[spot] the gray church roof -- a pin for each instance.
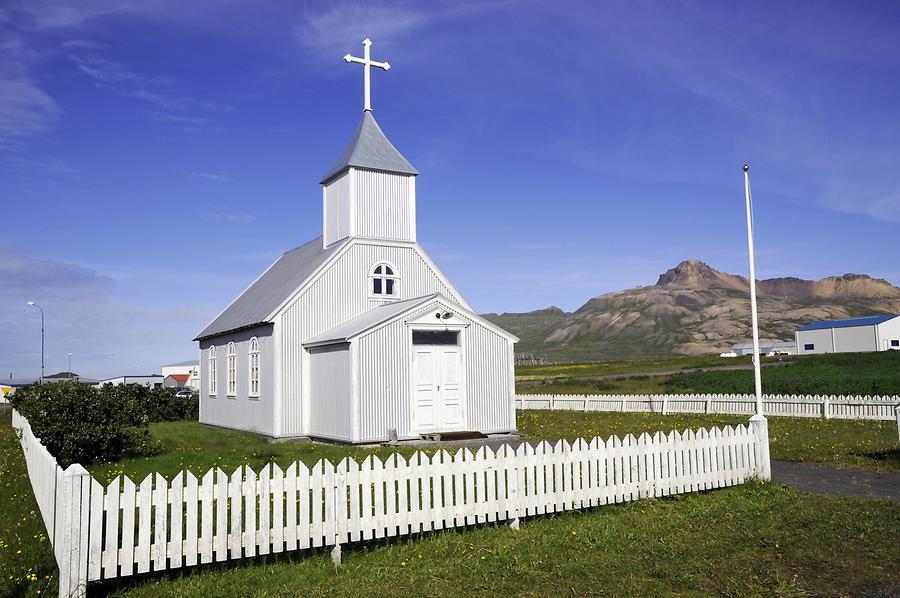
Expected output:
(372, 318)
(267, 292)
(369, 148)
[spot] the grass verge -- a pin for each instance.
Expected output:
(759, 539)
(850, 443)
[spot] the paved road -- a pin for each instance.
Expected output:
(837, 481)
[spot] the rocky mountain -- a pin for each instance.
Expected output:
(693, 308)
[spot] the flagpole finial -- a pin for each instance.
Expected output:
(746, 168)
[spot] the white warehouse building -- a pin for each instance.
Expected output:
(357, 336)
(874, 333)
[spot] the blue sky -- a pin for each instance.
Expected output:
(156, 156)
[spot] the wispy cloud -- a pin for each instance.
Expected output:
(25, 108)
(330, 32)
(231, 217)
(218, 177)
(85, 317)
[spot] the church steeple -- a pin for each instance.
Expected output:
(370, 190)
(369, 148)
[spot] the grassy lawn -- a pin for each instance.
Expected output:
(759, 539)
(609, 368)
(189, 445)
(852, 443)
(842, 373)
(621, 385)
(755, 540)
(26, 557)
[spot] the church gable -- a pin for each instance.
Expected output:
(346, 287)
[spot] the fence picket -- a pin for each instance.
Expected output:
(176, 543)
(163, 525)
(191, 531)
(128, 500)
(111, 552)
(278, 525)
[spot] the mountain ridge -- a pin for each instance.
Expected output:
(693, 308)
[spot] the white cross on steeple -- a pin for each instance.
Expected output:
(367, 63)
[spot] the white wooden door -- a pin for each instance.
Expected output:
(440, 400)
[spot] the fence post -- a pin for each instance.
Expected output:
(760, 427)
(707, 405)
(552, 402)
(897, 412)
(340, 505)
(71, 542)
(512, 477)
(826, 408)
(665, 409)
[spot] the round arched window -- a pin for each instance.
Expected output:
(383, 281)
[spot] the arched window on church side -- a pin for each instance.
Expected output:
(384, 282)
(232, 370)
(212, 370)
(254, 367)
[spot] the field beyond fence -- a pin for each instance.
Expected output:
(106, 531)
(828, 407)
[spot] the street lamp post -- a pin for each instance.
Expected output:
(70, 365)
(33, 304)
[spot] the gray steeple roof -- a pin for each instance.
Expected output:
(369, 148)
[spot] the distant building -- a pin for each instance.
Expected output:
(184, 374)
(874, 333)
(151, 381)
(789, 347)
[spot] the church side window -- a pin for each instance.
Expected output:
(232, 370)
(212, 370)
(383, 281)
(254, 367)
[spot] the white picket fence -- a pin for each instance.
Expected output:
(120, 529)
(837, 407)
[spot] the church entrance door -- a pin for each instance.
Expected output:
(438, 379)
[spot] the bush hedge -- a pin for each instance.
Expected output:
(82, 424)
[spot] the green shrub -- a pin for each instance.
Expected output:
(79, 423)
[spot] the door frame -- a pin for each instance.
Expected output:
(413, 398)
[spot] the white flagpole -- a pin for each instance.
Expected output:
(756, 366)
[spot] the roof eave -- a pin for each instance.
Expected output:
(204, 337)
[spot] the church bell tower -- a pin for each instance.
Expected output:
(370, 190)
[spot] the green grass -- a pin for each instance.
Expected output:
(193, 446)
(838, 374)
(842, 373)
(27, 566)
(621, 385)
(848, 443)
(758, 539)
(606, 368)
(755, 540)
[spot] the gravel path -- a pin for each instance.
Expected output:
(837, 481)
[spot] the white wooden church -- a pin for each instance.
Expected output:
(357, 336)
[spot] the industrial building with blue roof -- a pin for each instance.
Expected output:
(870, 333)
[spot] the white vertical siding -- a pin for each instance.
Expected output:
(385, 394)
(489, 390)
(384, 205)
(337, 205)
(331, 382)
(340, 294)
(239, 412)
